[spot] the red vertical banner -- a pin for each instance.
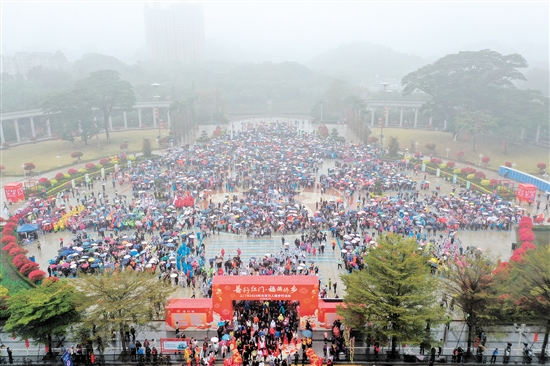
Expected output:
(536, 337)
(26, 343)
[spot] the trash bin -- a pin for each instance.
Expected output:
(514, 246)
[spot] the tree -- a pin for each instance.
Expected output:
(470, 281)
(42, 312)
(474, 122)
(116, 300)
(181, 114)
(393, 147)
(335, 97)
(529, 287)
(394, 294)
(106, 91)
(464, 81)
(146, 147)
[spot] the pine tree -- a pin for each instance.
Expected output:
(394, 296)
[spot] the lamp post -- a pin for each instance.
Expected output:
(521, 330)
(480, 157)
(58, 157)
(156, 85)
(447, 150)
(385, 85)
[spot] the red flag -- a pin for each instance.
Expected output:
(26, 343)
(536, 338)
(92, 358)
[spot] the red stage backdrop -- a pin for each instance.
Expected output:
(226, 289)
(526, 192)
(14, 192)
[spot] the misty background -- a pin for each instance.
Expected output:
(279, 56)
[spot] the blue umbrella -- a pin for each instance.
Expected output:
(307, 333)
(226, 337)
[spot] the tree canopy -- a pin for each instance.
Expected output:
(42, 312)
(470, 281)
(479, 81)
(116, 300)
(394, 295)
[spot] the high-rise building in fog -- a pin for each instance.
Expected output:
(175, 34)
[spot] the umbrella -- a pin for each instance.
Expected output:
(214, 339)
(307, 333)
(226, 337)
(221, 324)
(174, 275)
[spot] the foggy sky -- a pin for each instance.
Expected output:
(292, 31)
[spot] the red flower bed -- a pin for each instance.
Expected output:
(16, 251)
(467, 170)
(8, 239)
(10, 246)
(89, 165)
(20, 260)
(480, 175)
(104, 161)
(435, 160)
(508, 164)
(60, 176)
(28, 268)
(72, 171)
(451, 164)
(37, 275)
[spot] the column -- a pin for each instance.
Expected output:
(2, 138)
(168, 118)
(49, 128)
(401, 118)
(139, 117)
(125, 121)
(372, 117)
(444, 125)
(16, 125)
(415, 117)
(110, 123)
(387, 118)
(154, 119)
(32, 127)
(537, 136)
(430, 122)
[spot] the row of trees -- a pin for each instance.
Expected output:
(100, 304)
(393, 298)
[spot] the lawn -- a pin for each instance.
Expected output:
(525, 156)
(43, 154)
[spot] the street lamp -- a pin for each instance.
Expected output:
(156, 85)
(58, 157)
(521, 330)
(480, 156)
(447, 150)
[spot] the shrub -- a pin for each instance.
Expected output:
(8, 239)
(494, 181)
(480, 175)
(416, 154)
(16, 251)
(436, 160)
(451, 164)
(72, 171)
(90, 166)
(67, 176)
(29, 267)
(460, 154)
(470, 176)
(49, 279)
(53, 182)
(59, 176)
(528, 245)
(486, 159)
(20, 260)
(105, 161)
(10, 246)
(442, 166)
(430, 146)
(525, 222)
(527, 236)
(37, 275)
(82, 170)
(131, 157)
(373, 139)
(508, 164)
(467, 170)
(457, 171)
(77, 154)
(485, 183)
(43, 180)
(29, 166)
(541, 166)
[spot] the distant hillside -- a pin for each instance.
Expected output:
(365, 62)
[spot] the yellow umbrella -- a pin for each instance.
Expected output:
(91, 259)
